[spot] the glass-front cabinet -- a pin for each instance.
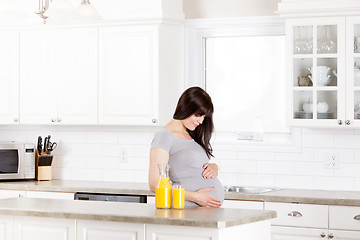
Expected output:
(323, 71)
(353, 70)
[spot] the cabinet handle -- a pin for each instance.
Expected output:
(295, 214)
(347, 122)
(154, 120)
(53, 120)
(58, 119)
(339, 122)
(16, 119)
(357, 217)
(331, 236)
(322, 235)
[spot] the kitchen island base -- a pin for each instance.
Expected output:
(40, 228)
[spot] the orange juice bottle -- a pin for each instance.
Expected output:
(163, 188)
(178, 196)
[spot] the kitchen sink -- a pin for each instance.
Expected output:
(248, 190)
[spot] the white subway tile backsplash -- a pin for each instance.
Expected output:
(225, 155)
(95, 153)
(117, 175)
(102, 137)
(102, 162)
(334, 183)
(256, 155)
(307, 154)
(345, 155)
(317, 141)
(237, 166)
(87, 174)
(275, 167)
(256, 180)
(312, 169)
(302, 182)
(347, 141)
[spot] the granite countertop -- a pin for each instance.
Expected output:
(131, 212)
(305, 196)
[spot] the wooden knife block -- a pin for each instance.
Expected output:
(42, 173)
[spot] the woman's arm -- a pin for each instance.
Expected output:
(157, 155)
(203, 198)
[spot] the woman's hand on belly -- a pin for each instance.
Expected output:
(211, 170)
(203, 198)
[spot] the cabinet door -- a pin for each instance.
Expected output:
(9, 77)
(128, 75)
(293, 233)
(353, 71)
(94, 230)
(316, 72)
(38, 76)
(78, 76)
(11, 194)
(38, 228)
(6, 227)
(344, 235)
(167, 232)
(50, 195)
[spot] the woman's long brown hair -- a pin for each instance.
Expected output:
(196, 101)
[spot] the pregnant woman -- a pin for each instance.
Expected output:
(184, 144)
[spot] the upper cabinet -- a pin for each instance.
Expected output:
(140, 73)
(9, 77)
(59, 76)
(323, 60)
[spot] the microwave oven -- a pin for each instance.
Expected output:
(17, 161)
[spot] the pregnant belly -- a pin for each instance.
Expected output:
(194, 184)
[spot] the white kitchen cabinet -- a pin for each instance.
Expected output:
(11, 193)
(49, 195)
(316, 75)
(6, 227)
(94, 230)
(38, 228)
(293, 233)
(316, 44)
(140, 73)
(344, 235)
(241, 204)
(58, 76)
(9, 77)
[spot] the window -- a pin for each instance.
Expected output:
(245, 78)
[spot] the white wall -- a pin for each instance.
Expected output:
(228, 8)
(94, 153)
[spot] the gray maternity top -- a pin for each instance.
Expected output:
(186, 160)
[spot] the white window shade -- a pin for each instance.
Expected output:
(245, 78)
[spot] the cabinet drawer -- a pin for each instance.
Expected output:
(243, 204)
(299, 215)
(342, 217)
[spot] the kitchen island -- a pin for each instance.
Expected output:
(29, 218)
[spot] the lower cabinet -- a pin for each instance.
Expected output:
(6, 227)
(11, 194)
(310, 222)
(294, 233)
(95, 230)
(37, 228)
(243, 204)
(163, 232)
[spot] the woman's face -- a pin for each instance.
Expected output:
(193, 121)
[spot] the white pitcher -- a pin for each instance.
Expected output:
(323, 76)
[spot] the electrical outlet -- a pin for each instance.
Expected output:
(123, 155)
(331, 160)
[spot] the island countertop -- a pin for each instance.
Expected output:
(131, 212)
(305, 196)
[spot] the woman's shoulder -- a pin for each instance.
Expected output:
(163, 133)
(162, 139)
